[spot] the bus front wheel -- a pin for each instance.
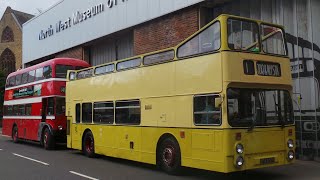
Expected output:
(48, 140)
(15, 138)
(88, 145)
(169, 156)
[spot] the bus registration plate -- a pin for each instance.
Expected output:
(268, 69)
(267, 160)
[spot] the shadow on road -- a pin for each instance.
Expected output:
(59, 147)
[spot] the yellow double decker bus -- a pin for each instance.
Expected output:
(219, 101)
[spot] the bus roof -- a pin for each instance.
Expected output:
(65, 61)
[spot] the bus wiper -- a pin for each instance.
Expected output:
(253, 121)
(278, 112)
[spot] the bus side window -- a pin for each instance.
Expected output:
(39, 74)
(205, 112)
(22, 110)
(128, 112)
(50, 108)
(78, 113)
(24, 79)
(206, 41)
(47, 72)
(31, 76)
(18, 79)
(15, 110)
(87, 113)
(12, 81)
(10, 110)
(28, 109)
(103, 113)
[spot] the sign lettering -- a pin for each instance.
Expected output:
(268, 69)
(77, 18)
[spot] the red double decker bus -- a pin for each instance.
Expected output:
(34, 102)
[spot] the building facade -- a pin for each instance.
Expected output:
(107, 30)
(11, 39)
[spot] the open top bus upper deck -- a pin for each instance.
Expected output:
(259, 47)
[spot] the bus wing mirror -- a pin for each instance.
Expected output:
(218, 102)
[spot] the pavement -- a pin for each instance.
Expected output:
(27, 160)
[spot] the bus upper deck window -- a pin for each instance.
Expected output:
(31, 76)
(243, 35)
(47, 72)
(206, 41)
(61, 70)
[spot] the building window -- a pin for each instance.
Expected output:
(7, 35)
(7, 62)
(87, 113)
(128, 112)
(205, 112)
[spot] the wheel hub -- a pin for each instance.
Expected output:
(168, 155)
(89, 145)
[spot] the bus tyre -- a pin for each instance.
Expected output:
(48, 140)
(15, 138)
(169, 156)
(88, 145)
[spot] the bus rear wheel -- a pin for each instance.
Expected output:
(48, 140)
(15, 138)
(169, 156)
(88, 145)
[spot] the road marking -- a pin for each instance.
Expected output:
(31, 159)
(82, 175)
(1, 149)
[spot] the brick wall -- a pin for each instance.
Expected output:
(166, 31)
(76, 52)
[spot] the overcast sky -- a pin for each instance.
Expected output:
(28, 6)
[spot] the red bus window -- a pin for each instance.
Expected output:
(28, 109)
(31, 76)
(24, 79)
(61, 70)
(39, 74)
(15, 110)
(21, 110)
(12, 81)
(60, 105)
(50, 109)
(47, 72)
(18, 79)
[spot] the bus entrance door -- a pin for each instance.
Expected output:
(44, 110)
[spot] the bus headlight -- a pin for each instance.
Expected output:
(290, 155)
(290, 143)
(60, 128)
(239, 148)
(239, 161)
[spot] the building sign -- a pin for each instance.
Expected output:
(26, 92)
(77, 18)
(268, 69)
